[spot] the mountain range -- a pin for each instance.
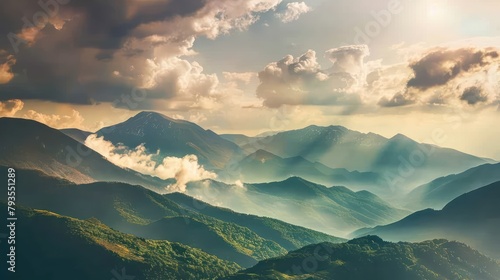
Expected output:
(262, 166)
(401, 161)
(332, 155)
(144, 213)
(39, 147)
(335, 210)
(473, 218)
(274, 210)
(440, 191)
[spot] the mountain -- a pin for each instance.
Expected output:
(473, 218)
(400, 160)
(39, 147)
(144, 213)
(372, 258)
(263, 166)
(239, 139)
(335, 210)
(443, 190)
(286, 235)
(56, 247)
(77, 134)
(176, 138)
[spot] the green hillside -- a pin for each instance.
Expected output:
(55, 247)
(372, 258)
(136, 210)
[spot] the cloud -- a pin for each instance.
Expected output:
(474, 95)
(440, 66)
(301, 81)
(244, 77)
(183, 170)
(293, 11)
(399, 99)
(348, 59)
(10, 107)
(82, 55)
(56, 121)
(6, 63)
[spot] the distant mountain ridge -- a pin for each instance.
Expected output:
(172, 138)
(263, 166)
(400, 160)
(442, 190)
(333, 210)
(473, 218)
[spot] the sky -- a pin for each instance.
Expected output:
(417, 67)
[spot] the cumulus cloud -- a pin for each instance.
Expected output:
(56, 121)
(442, 76)
(440, 66)
(183, 170)
(10, 107)
(82, 55)
(301, 81)
(348, 59)
(293, 11)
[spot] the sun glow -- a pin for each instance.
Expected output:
(438, 9)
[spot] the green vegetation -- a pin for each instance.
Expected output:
(51, 246)
(372, 258)
(288, 236)
(144, 213)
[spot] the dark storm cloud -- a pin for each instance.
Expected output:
(104, 24)
(51, 67)
(88, 52)
(474, 95)
(440, 66)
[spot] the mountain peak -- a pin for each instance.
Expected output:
(401, 137)
(149, 115)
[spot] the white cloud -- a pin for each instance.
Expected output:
(293, 11)
(301, 81)
(183, 170)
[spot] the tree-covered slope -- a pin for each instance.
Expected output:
(136, 210)
(372, 258)
(55, 247)
(286, 235)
